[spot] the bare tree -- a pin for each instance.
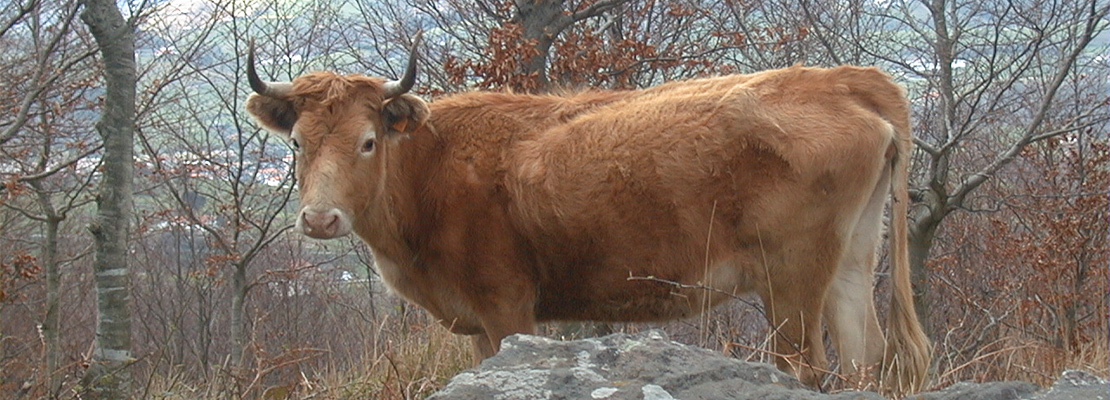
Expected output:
(108, 376)
(987, 63)
(218, 175)
(44, 139)
(511, 42)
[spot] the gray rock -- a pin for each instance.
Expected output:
(1014, 390)
(623, 367)
(1077, 385)
(1072, 385)
(648, 366)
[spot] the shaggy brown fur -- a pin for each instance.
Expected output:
(494, 211)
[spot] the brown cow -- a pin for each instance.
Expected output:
(496, 211)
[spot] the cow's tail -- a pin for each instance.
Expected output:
(908, 351)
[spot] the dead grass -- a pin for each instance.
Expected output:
(412, 357)
(408, 359)
(410, 364)
(1015, 358)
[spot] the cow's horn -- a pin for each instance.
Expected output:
(396, 88)
(268, 89)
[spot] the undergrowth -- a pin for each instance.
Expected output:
(414, 356)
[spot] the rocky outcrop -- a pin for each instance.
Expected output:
(1076, 385)
(1072, 385)
(648, 366)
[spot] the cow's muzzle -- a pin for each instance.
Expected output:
(324, 224)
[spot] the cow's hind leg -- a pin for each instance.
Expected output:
(793, 303)
(849, 306)
(797, 339)
(853, 324)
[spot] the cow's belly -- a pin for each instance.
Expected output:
(629, 296)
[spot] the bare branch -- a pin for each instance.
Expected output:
(43, 81)
(60, 166)
(1093, 23)
(595, 9)
(21, 11)
(927, 147)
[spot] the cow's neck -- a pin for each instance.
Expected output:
(393, 215)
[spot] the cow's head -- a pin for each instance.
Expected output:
(343, 131)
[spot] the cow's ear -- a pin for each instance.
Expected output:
(404, 113)
(275, 114)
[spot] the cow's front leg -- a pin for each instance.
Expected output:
(483, 347)
(510, 314)
(497, 328)
(488, 344)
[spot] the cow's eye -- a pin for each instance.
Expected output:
(296, 145)
(368, 146)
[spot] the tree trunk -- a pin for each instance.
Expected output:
(545, 20)
(921, 235)
(238, 312)
(542, 22)
(51, 322)
(1071, 308)
(108, 377)
(204, 325)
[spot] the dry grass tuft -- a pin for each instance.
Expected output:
(404, 364)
